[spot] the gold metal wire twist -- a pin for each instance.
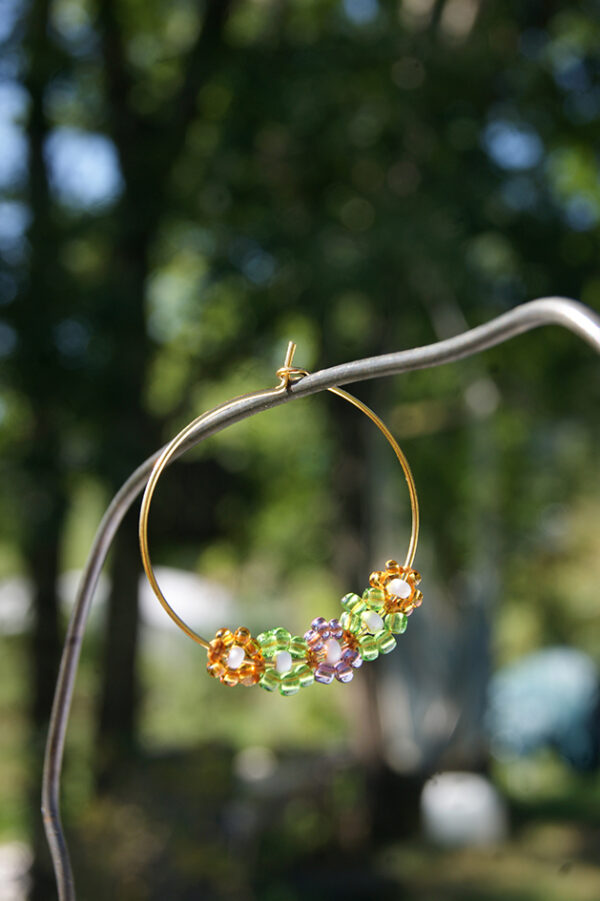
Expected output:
(287, 374)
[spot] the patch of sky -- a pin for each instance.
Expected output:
(13, 155)
(360, 12)
(583, 106)
(14, 219)
(512, 146)
(581, 213)
(72, 338)
(8, 289)
(84, 168)
(256, 264)
(8, 339)
(532, 42)
(519, 193)
(73, 26)
(570, 72)
(9, 16)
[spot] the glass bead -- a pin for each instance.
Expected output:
(372, 621)
(351, 621)
(249, 674)
(223, 634)
(305, 675)
(268, 645)
(324, 673)
(368, 647)
(270, 680)
(229, 679)
(375, 598)
(242, 635)
(289, 684)
(385, 641)
(343, 672)
(298, 646)
(216, 669)
(350, 600)
(335, 628)
(396, 623)
(282, 637)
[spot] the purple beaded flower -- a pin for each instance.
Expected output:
(332, 651)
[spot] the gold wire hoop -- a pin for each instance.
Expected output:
(287, 374)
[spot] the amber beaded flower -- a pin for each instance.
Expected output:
(399, 585)
(235, 658)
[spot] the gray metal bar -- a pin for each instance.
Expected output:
(569, 314)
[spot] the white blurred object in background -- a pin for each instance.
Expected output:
(15, 861)
(461, 809)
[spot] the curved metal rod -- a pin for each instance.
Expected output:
(569, 314)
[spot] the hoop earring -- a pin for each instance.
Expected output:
(329, 649)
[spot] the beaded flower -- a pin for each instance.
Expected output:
(235, 658)
(332, 651)
(285, 658)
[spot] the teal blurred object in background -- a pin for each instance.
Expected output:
(183, 188)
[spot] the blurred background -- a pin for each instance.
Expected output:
(186, 186)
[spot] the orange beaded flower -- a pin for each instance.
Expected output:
(399, 585)
(235, 658)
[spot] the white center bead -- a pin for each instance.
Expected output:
(283, 662)
(236, 656)
(334, 651)
(372, 621)
(399, 588)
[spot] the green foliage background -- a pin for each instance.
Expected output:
(358, 177)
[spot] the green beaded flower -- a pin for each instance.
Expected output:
(367, 619)
(285, 657)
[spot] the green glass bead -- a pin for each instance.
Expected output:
(385, 641)
(350, 600)
(269, 680)
(298, 646)
(367, 646)
(396, 623)
(351, 621)
(289, 684)
(267, 642)
(375, 598)
(282, 638)
(305, 675)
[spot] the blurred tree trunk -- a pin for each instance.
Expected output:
(39, 376)
(148, 147)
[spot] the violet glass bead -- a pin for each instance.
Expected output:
(324, 673)
(317, 622)
(343, 672)
(335, 628)
(350, 655)
(313, 640)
